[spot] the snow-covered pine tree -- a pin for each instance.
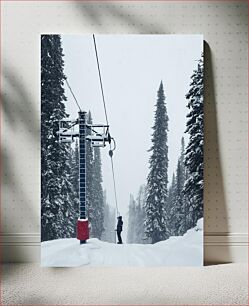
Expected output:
(182, 157)
(177, 211)
(181, 198)
(57, 212)
(89, 174)
(131, 220)
(97, 221)
(183, 175)
(171, 193)
(177, 201)
(180, 174)
(193, 188)
(156, 226)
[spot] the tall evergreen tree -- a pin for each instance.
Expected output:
(156, 218)
(193, 188)
(57, 213)
(180, 172)
(182, 156)
(181, 176)
(177, 201)
(177, 210)
(97, 221)
(171, 193)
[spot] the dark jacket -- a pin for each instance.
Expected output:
(120, 225)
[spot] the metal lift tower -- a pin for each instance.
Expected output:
(97, 139)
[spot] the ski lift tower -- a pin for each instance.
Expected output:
(97, 139)
(82, 223)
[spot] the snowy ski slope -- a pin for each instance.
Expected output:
(184, 250)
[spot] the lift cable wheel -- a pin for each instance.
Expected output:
(113, 173)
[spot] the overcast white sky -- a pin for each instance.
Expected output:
(132, 67)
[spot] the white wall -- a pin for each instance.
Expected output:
(224, 26)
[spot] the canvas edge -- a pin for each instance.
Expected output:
(218, 247)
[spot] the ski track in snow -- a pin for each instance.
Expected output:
(184, 250)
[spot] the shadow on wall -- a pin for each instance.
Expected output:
(18, 108)
(130, 21)
(20, 118)
(214, 195)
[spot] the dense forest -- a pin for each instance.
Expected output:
(172, 209)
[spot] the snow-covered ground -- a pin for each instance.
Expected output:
(185, 250)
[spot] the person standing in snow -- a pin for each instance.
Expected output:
(119, 229)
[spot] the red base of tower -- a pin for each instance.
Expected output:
(82, 229)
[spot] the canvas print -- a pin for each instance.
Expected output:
(122, 150)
